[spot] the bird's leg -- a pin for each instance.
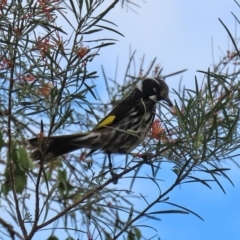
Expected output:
(145, 156)
(113, 174)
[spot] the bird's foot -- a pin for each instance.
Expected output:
(145, 156)
(114, 175)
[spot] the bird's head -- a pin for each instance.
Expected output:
(155, 89)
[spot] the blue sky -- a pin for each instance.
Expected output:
(180, 34)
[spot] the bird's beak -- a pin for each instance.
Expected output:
(167, 99)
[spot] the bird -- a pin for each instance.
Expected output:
(120, 131)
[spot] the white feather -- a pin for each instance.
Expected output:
(153, 97)
(139, 85)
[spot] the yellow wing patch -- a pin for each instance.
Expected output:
(105, 122)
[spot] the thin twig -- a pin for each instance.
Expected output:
(10, 229)
(13, 55)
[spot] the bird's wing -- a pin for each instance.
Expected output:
(120, 112)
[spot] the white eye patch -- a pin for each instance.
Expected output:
(153, 97)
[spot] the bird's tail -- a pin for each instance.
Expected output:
(56, 146)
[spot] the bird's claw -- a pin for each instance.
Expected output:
(114, 175)
(145, 156)
(115, 178)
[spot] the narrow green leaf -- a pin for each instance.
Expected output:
(231, 37)
(169, 211)
(110, 29)
(130, 215)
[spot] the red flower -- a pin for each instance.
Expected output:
(45, 90)
(82, 51)
(6, 64)
(157, 131)
(3, 3)
(28, 78)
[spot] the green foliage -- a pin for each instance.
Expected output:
(1, 141)
(52, 238)
(134, 234)
(21, 163)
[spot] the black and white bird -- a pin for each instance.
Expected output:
(122, 130)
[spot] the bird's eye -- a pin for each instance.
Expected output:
(154, 89)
